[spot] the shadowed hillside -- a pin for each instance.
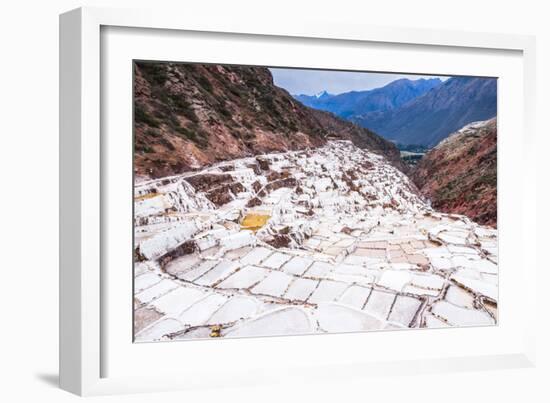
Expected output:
(430, 118)
(460, 174)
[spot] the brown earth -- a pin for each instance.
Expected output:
(187, 116)
(459, 175)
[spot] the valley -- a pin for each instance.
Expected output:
(332, 239)
(411, 154)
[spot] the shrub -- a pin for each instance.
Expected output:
(196, 136)
(152, 133)
(155, 73)
(167, 144)
(144, 148)
(224, 111)
(189, 134)
(183, 107)
(489, 178)
(142, 116)
(204, 83)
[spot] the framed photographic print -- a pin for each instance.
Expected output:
(261, 213)
(257, 195)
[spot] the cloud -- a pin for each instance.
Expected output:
(302, 81)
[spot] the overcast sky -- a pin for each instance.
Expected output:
(311, 82)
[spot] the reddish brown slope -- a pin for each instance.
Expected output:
(460, 174)
(188, 116)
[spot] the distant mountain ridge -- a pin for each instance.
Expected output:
(353, 103)
(431, 117)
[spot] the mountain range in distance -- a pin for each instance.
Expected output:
(357, 103)
(420, 112)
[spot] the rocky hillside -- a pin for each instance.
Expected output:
(191, 115)
(428, 119)
(460, 174)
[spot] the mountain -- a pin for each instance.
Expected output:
(460, 174)
(323, 95)
(391, 96)
(188, 116)
(430, 118)
(313, 100)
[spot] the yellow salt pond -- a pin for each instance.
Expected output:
(147, 196)
(254, 221)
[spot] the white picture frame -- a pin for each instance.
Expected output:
(83, 297)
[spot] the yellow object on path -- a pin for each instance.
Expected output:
(147, 196)
(254, 221)
(215, 331)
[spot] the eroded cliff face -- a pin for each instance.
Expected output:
(188, 116)
(460, 174)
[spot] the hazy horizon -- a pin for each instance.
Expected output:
(311, 82)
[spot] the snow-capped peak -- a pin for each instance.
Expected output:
(321, 94)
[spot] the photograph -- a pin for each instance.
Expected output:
(283, 201)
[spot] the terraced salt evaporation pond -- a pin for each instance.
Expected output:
(254, 221)
(327, 240)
